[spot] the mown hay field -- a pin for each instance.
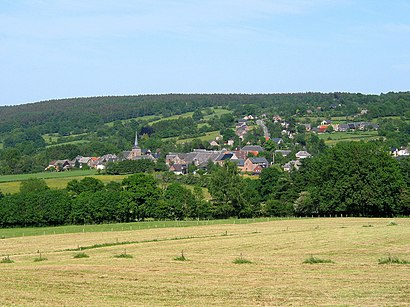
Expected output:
(58, 182)
(275, 276)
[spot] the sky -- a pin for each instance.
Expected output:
(52, 49)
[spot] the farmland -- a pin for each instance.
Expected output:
(276, 274)
(55, 180)
(332, 139)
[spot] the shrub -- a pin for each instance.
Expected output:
(181, 258)
(81, 255)
(241, 260)
(392, 260)
(313, 260)
(6, 260)
(123, 255)
(40, 258)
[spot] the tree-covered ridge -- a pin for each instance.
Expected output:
(85, 114)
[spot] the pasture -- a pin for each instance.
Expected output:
(55, 180)
(225, 264)
(333, 138)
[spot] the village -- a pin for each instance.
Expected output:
(249, 158)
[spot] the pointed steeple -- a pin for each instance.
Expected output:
(136, 150)
(136, 140)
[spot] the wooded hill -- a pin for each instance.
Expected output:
(31, 135)
(86, 114)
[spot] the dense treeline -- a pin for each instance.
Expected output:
(350, 179)
(87, 114)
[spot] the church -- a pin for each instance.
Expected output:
(137, 153)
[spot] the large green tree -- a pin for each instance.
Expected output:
(145, 194)
(353, 178)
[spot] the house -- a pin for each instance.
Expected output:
(292, 165)
(102, 161)
(325, 122)
(213, 144)
(242, 122)
(241, 131)
(223, 157)
(402, 152)
(308, 127)
(230, 142)
(277, 118)
(255, 165)
(179, 169)
(83, 161)
(277, 141)
(342, 127)
(198, 157)
(253, 149)
(93, 162)
(302, 155)
(241, 154)
(283, 152)
(58, 165)
(322, 128)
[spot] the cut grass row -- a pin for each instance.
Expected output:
(40, 231)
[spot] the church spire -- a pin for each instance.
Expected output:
(136, 140)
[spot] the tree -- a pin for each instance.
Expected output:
(268, 180)
(353, 178)
(229, 192)
(33, 185)
(144, 192)
(87, 184)
(197, 116)
(176, 202)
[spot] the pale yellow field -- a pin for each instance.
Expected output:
(276, 276)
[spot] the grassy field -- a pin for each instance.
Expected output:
(147, 118)
(276, 274)
(11, 183)
(47, 175)
(209, 136)
(333, 138)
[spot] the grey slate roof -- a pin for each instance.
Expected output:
(252, 148)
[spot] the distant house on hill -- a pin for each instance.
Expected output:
(291, 165)
(302, 154)
(213, 144)
(277, 141)
(179, 169)
(283, 152)
(255, 165)
(253, 149)
(58, 165)
(223, 157)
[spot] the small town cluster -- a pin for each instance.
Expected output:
(247, 158)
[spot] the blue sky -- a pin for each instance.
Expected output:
(59, 49)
